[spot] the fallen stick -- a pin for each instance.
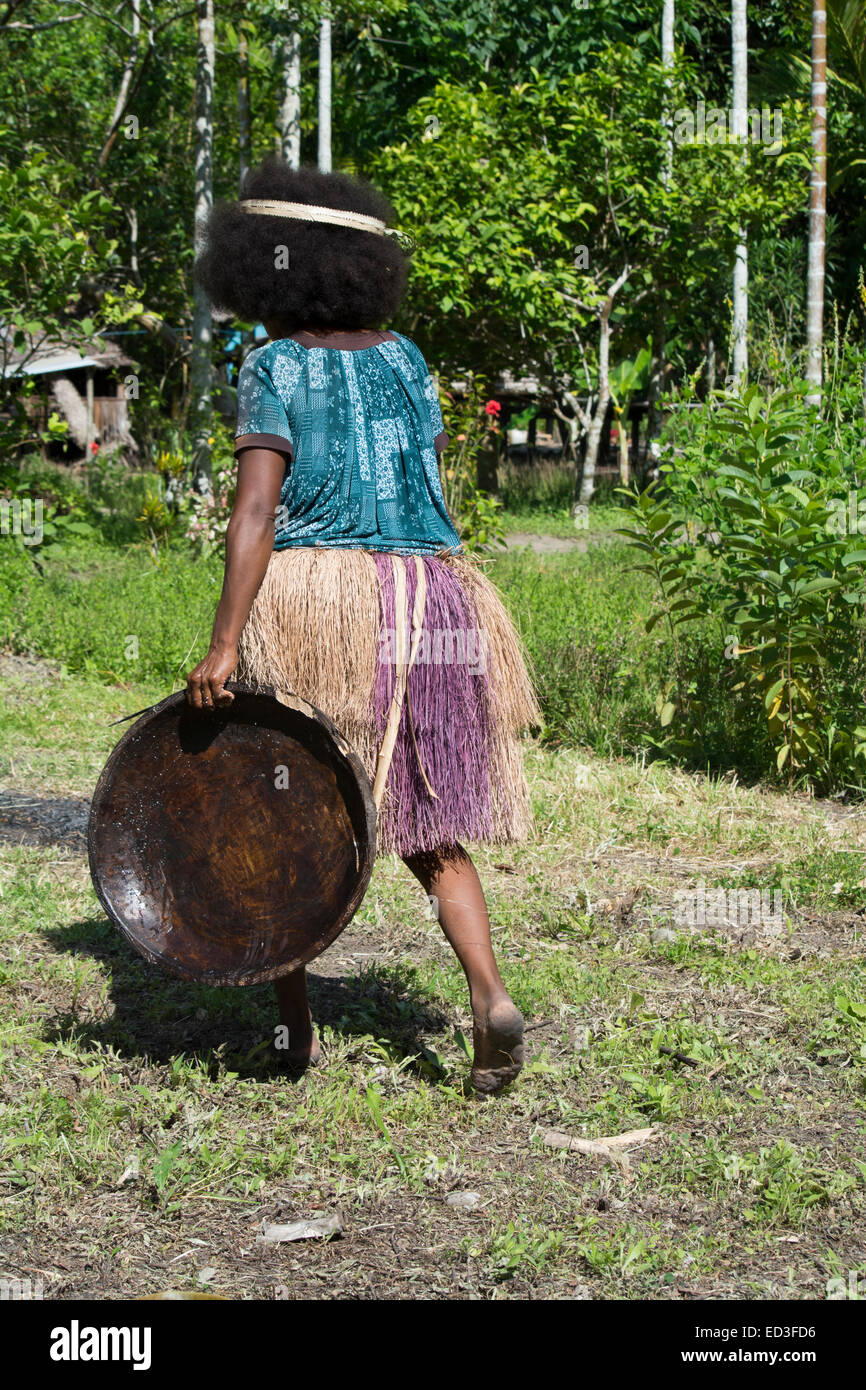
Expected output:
(679, 1056)
(608, 1147)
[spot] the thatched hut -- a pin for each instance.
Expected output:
(87, 384)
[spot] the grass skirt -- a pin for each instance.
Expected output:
(323, 626)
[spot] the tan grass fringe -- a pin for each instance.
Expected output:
(514, 705)
(314, 629)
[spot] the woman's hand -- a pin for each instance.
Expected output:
(205, 684)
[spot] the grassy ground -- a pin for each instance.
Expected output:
(147, 1132)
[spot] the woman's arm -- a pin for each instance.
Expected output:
(249, 546)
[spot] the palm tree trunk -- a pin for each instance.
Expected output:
(739, 121)
(325, 95)
(668, 16)
(289, 118)
(243, 109)
(202, 328)
(817, 201)
(659, 337)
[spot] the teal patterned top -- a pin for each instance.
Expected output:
(361, 427)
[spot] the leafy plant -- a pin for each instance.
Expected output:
(747, 528)
(471, 420)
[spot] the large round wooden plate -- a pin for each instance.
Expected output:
(232, 846)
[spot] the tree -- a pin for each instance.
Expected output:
(739, 119)
(817, 202)
(201, 371)
(657, 369)
(50, 242)
(325, 93)
(289, 117)
(243, 107)
(667, 46)
(628, 377)
(542, 269)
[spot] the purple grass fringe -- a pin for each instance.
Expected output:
(449, 708)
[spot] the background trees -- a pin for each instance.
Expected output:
(533, 155)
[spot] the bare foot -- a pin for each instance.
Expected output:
(302, 1047)
(305, 1050)
(497, 1038)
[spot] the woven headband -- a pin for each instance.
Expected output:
(338, 217)
(305, 212)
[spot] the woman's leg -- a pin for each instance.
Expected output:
(449, 875)
(303, 1045)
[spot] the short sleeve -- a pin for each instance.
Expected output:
(262, 420)
(431, 396)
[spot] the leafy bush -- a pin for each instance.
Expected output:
(472, 422)
(751, 531)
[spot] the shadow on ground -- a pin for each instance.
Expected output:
(152, 1016)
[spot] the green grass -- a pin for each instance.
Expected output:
(147, 1130)
(110, 613)
(101, 607)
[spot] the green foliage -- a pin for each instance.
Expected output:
(51, 240)
(471, 420)
(480, 524)
(541, 487)
(522, 1249)
(514, 269)
(750, 528)
(780, 1183)
(87, 601)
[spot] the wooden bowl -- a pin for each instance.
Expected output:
(232, 846)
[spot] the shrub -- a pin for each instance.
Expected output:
(750, 530)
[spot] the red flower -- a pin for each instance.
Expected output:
(94, 448)
(492, 408)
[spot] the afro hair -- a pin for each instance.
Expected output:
(333, 277)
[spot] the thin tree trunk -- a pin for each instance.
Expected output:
(243, 109)
(624, 468)
(325, 95)
(289, 118)
(201, 371)
(817, 201)
(739, 115)
(668, 15)
(132, 219)
(125, 84)
(711, 365)
(659, 337)
(596, 424)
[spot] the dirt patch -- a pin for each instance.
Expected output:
(28, 667)
(544, 545)
(43, 820)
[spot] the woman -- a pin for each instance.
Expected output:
(339, 537)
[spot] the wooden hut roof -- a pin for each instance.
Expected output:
(47, 355)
